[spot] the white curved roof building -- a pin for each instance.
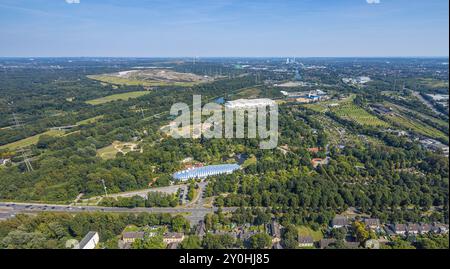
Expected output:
(249, 103)
(206, 171)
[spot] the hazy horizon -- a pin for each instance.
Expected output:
(224, 28)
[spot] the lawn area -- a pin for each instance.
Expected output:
(110, 152)
(32, 140)
(115, 97)
(249, 161)
(252, 92)
(107, 153)
(306, 231)
(90, 120)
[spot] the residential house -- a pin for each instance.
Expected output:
(425, 228)
(305, 241)
(314, 150)
(372, 223)
(339, 222)
(169, 238)
(318, 161)
(4, 161)
(413, 228)
(275, 231)
(130, 237)
(400, 229)
(324, 243)
(443, 228)
(351, 245)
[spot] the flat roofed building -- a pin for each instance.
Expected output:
(206, 171)
(249, 103)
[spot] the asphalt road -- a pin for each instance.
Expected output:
(194, 215)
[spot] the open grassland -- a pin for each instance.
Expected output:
(115, 97)
(252, 92)
(32, 140)
(107, 153)
(110, 152)
(90, 120)
(354, 113)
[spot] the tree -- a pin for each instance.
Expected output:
(290, 237)
(359, 231)
(180, 224)
(191, 242)
(339, 233)
(150, 242)
(260, 241)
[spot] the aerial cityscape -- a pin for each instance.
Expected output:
(276, 134)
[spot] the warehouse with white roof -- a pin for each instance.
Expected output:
(249, 103)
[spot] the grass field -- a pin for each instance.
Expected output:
(110, 152)
(252, 92)
(107, 153)
(250, 161)
(306, 231)
(115, 97)
(32, 140)
(90, 120)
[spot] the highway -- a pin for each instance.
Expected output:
(194, 215)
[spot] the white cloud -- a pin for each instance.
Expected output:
(370, 2)
(72, 1)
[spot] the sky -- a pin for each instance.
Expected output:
(224, 28)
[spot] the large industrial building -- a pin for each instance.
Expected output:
(206, 171)
(249, 103)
